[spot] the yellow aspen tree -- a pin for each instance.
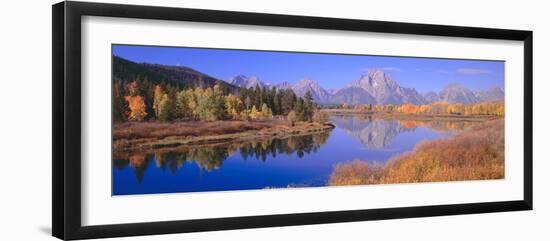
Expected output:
(254, 113)
(157, 98)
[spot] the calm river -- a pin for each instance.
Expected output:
(303, 161)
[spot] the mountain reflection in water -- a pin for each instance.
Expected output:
(379, 133)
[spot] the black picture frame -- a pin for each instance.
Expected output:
(66, 157)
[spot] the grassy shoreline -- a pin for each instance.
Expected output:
(474, 154)
(152, 135)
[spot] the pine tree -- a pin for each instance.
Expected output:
(120, 106)
(218, 104)
(277, 103)
(308, 107)
(299, 110)
(133, 88)
(167, 110)
(173, 112)
(146, 90)
(288, 101)
(257, 94)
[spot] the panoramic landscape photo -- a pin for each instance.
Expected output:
(199, 119)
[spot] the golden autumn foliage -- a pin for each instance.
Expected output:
(442, 108)
(158, 93)
(436, 108)
(164, 108)
(409, 108)
(266, 112)
(457, 125)
(424, 109)
(234, 106)
(255, 114)
(457, 109)
(137, 108)
(167, 102)
(475, 154)
(356, 173)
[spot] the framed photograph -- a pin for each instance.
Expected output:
(170, 120)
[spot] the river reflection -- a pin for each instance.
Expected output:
(211, 157)
(379, 133)
(291, 162)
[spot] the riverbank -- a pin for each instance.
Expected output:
(403, 116)
(474, 154)
(151, 135)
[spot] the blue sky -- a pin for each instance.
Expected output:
(332, 71)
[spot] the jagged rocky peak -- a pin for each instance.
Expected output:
(457, 93)
(303, 86)
(379, 76)
(237, 78)
(374, 78)
(385, 89)
(246, 82)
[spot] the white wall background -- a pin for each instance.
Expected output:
(25, 122)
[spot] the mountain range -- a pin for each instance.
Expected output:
(374, 87)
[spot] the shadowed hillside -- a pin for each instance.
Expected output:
(180, 76)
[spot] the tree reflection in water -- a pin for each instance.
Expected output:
(211, 157)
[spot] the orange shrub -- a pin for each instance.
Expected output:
(137, 107)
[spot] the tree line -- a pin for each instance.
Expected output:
(141, 100)
(438, 108)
